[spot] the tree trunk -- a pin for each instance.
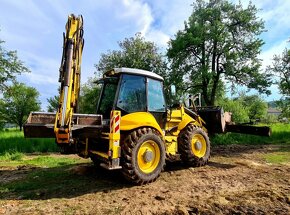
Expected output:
(214, 89)
(205, 80)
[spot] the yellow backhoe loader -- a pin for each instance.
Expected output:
(133, 129)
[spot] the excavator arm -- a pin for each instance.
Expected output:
(65, 125)
(69, 78)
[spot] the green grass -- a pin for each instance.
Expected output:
(13, 140)
(17, 158)
(277, 157)
(280, 135)
(11, 156)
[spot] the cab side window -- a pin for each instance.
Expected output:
(156, 101)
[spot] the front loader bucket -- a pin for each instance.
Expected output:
(40, 125)
(215, 118)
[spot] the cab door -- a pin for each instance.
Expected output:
(156, 101)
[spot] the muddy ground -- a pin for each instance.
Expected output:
(237, 180)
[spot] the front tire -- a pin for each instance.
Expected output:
(143, 156)
(194, 146)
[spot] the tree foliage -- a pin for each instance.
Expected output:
(284, 105)
(17, 102)
(10, 66)
(255, 106)
(281, 68)
(236, 107)
(53, 103)
(245, 108)
(135, 52)
(219, 42)
(87, 103)
(89, 97)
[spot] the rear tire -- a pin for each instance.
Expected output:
(194, 146)
(143, 154)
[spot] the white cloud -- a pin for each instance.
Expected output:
(158, 37)
(275, 49)
(138, 11)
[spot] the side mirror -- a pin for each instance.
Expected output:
(173, 90)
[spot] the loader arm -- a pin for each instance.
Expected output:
(69, 78)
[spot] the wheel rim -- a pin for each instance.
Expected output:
(148, 156)
(198, 145)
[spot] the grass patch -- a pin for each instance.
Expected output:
(47, 161)
(13, 140)
(11, 156)
(280, 135)
(277, 158)
(16, 159)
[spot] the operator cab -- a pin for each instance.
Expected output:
(132, 90)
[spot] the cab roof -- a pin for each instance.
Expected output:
(133, 72)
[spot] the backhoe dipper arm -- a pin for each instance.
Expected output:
(69, 78)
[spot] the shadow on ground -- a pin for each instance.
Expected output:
(28, 182)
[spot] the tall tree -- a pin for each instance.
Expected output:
(10, 66)
(219, 42)
(135, 52)
(18, 102)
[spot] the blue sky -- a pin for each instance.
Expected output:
(34, 28)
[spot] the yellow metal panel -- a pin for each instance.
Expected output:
(139, 119)
(180, 119)
(114, 136)
(174, 114)
(102, 154)
(171, 144)
(186, 119)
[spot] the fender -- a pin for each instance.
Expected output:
(186, 119)
(139, 119)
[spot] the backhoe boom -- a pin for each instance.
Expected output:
(70, 78)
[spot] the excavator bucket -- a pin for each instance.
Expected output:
(40, 124)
